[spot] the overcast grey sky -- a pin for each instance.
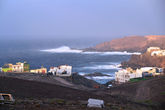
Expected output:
(94, 19)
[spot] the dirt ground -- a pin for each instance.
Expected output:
(35, 95)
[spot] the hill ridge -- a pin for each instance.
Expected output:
(131, 43)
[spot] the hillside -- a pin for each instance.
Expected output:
(150, 92)
(144, 60)
(74, 82)
(34, 89)
(131, 44)
(35, 95)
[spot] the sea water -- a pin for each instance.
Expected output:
(82, 62)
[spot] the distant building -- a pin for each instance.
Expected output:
(63, 70)
(125, 75)
(53, 70)
(7, 68)
(42, 70)
(18, 67)
(158, 53)
(151, 49)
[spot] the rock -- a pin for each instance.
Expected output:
(131, 44)
(95, 74)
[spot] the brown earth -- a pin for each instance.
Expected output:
(38, 95)
(34, 89)
(151, 92)
(74, 82)
(144, 60)
(31, 94)
(131, 44)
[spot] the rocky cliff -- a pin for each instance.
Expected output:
(145, 60)
(131, 44)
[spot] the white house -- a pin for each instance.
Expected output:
(53, 70)
(96, 103)
(125, 75)
(151, 49)
(158, 53)
(19, 67)
(145, 69)
(42, 70)
(63, 70)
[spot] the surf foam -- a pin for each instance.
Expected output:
(102, 67)
(66, 49)
(63, 49)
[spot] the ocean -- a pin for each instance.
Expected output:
(81, 62)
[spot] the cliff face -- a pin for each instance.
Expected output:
(145, 60)
(131, 43)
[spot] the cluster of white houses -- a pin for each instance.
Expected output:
(124, 75)
(63, 70)
(156, 51)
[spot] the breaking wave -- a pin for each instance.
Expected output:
(66, 49)
(63, 49)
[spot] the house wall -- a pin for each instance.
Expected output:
(151, 49)
(123, 76)
(6, 69)
(53, 70)
(17, 68)
(62, 69)
(42, 71)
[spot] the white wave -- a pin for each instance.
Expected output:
(81, 73)
(66, 49)
(63, 49)
(100, 77)
(113, 53)
(103, 67)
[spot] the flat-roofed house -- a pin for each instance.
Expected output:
(42, 70)
(20, 67)
(64, 70)
(151, 49)
(124, 75)
(158, 53)
(7, 68)
(17, 68)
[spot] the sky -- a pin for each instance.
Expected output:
(80, 19)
